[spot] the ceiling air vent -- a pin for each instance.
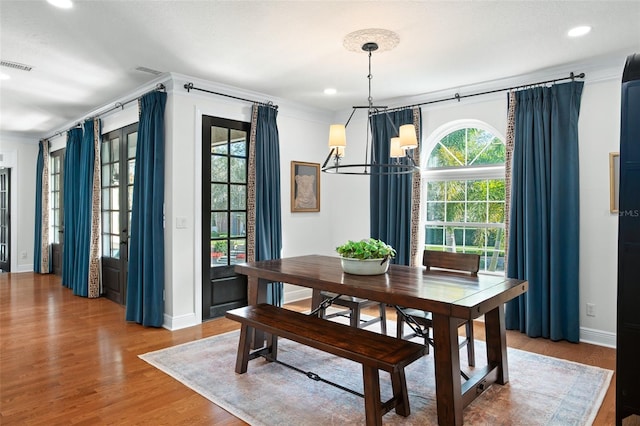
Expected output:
(15, 65)
(148, 70)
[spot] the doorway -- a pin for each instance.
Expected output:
(5, 219)
(224, 214)
(118, 157)
(56, 200)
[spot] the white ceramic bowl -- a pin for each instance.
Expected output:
(364, 266)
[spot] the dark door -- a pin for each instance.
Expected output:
(57, 209)
(224, 214)
(118, 157)
(5, 219)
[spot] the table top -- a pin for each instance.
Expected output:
(439, 292)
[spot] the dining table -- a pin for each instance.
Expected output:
(451, 298)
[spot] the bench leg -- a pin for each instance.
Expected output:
(244, 349)
(400, 394)
(383, 318)
(372, 404)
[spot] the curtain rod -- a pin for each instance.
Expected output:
(189, 87)
(117, 105)
(457, 96)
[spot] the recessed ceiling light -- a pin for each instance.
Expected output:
(330, 91)
(4, 76)
(63, 4)
(579, 31)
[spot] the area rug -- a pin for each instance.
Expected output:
(541, 390)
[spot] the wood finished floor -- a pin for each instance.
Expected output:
(70, 360)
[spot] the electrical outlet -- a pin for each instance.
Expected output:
(591, 310)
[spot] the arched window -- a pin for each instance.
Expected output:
(465, 193)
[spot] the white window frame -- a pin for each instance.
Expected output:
(448, 174)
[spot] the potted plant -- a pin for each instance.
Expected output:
(366, 257)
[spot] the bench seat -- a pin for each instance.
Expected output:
(372, 350)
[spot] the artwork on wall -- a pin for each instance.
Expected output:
(305, 187)
(614, 181)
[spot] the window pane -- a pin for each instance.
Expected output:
(238, 197)
(115, 149)
(238, 143)
(435, 211)
(476, 190)
(106, 199)
(131, 172)
(238, 251)
(455, 212)
(494, 153)
(115, 198)
(496, 213)
(130, 198)
(218, 224)
(238, 224)
(106, 224)
(238, 170)
(115, 223)
(115, 174)
(218, 168)
(219, 140)
(435, 190)
(434, 235)
(219, 253)
(105, 152)
(219, 196)
(477, 212)
(455, 190)
(115, 246)
(106, 247)
(496, 189)
(106, 176)
(132, 143)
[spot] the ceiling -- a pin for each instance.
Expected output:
(85, 57)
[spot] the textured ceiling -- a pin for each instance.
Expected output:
(86, 56)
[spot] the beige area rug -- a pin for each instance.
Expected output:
(541, 391)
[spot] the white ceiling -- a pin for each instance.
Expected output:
(85, 57)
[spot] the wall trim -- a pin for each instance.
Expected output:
(598, 337)
(180, 321)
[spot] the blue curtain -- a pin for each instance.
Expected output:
(71, 194)
(145, 280)
(545, 212)
(80, 280)
(268, 213)
(37, 239)
(390, 195)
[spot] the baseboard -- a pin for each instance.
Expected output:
(598, 337)
(181, 321)
(24, 268)
(300, 293)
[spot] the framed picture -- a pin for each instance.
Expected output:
(305, 187)
(614, 181)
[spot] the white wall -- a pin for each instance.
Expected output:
(21, 155)
(302, 138)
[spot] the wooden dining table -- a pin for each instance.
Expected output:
(451, 298)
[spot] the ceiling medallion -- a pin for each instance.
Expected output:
(385, 39)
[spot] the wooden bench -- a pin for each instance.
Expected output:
(374, 351)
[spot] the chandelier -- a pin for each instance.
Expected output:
(401, 147)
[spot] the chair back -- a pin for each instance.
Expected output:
(462, 262)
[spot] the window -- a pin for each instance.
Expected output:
(465, 193)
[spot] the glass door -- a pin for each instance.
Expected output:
(118, 157)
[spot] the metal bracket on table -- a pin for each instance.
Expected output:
(324, 305)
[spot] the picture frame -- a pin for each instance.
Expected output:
(305, 187)
(614, 182)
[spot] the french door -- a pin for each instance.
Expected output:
(56, 219)
(5, 219)
(224, 214)
(118, 155)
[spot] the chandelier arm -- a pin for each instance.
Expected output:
(353, 111)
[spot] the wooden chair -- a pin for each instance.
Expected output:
(353, 308)
(421, 321)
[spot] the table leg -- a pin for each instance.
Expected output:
(447, 370)
(256, 293)
(497, 343)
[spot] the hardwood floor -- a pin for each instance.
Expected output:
(70, 360)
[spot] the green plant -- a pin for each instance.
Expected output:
(366, 249)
